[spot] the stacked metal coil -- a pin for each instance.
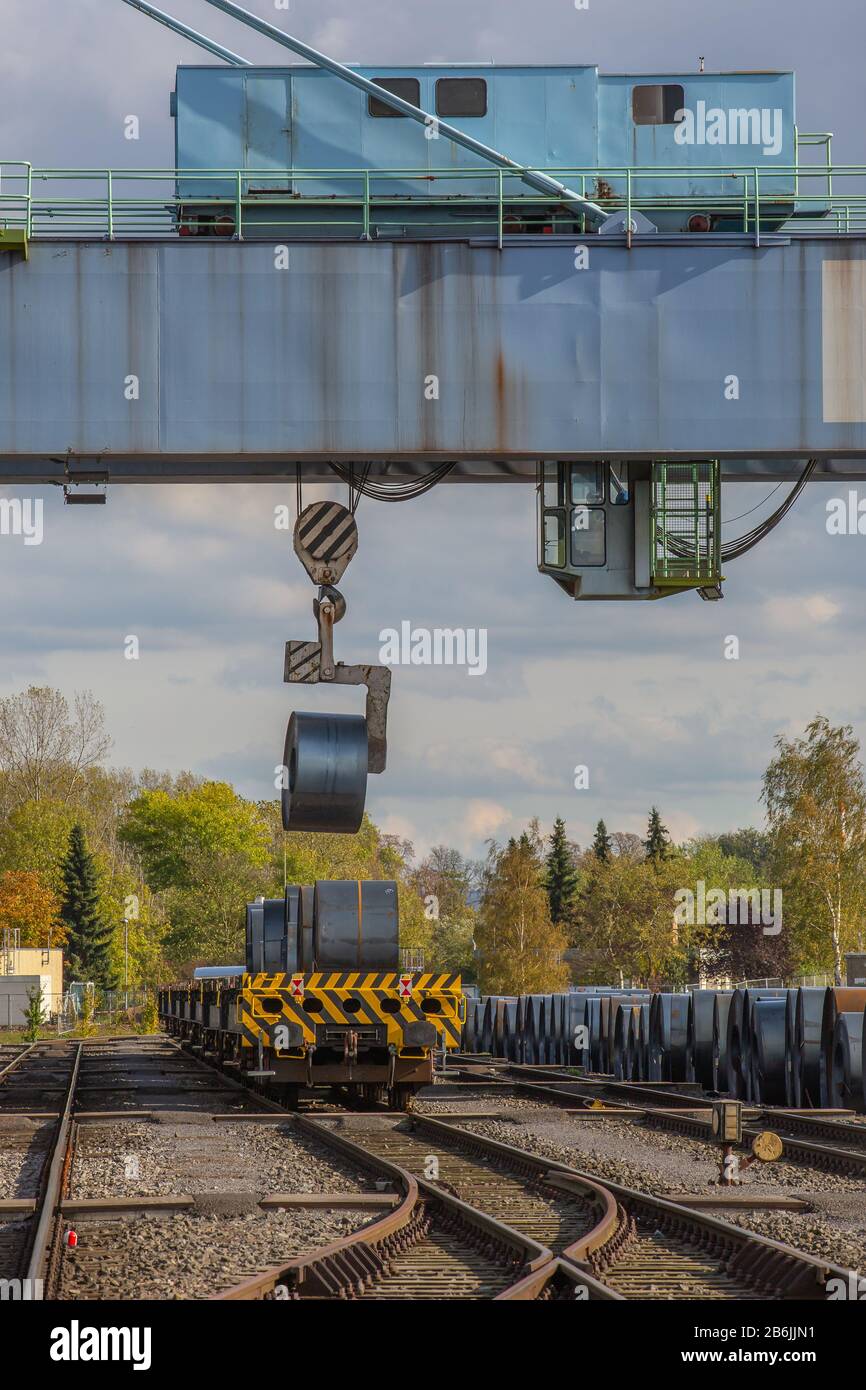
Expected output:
(846, 1062)
(699, 1037)
(838, 1000)
(668, 1037)
(806, 1059)
(767, 1046)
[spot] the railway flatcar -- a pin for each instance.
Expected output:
(323, 1000)
(299, 151)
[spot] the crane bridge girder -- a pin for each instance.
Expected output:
(157, 361)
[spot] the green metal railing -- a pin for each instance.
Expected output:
(240, 203)
(685, 514)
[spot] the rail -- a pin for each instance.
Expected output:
(386, 203)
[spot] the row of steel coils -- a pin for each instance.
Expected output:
(795, 1047)
(334, 924)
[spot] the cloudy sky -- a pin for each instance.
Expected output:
(639, 693)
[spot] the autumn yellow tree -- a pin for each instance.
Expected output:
(29, 904)
(815, 797)
(520, 949)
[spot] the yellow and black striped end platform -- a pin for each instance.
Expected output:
(410, 1011)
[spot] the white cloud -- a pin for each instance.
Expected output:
(793, 612)
(484, 818)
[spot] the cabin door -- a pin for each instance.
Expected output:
(268, 132)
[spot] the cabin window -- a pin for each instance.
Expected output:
(618, 493)
(554, 539)
(588, 536)
(552, 485)
(657, 105)
(409, 88)
(461, 96)
(586, 484)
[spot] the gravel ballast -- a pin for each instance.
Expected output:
(143, 1159)
(653, 1159)
(190, 1256)
(22, 1156)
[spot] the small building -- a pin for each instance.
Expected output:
(855, 962)
(16, 992)
(38, 965)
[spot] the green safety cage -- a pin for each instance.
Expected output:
(685, 524)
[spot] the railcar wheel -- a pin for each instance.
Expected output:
(400, 1097)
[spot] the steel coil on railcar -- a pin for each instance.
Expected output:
(642, 1044)
(593, 1023)
(356, 925)
(485, 1039)
(737, 1048)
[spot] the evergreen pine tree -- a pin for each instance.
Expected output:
(88, 938)
(601, 845)
(560, 878)
(658, 840)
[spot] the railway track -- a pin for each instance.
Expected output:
(48, 1093)
(813, 1141)
(513, 1192)
(38, 1083)
(475, 1219)
(642, 1247)
(435, 1245)
(35, 1081)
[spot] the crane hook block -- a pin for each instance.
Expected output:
(328, 756)
(326, 539)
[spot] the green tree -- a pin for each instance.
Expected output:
(560, 877)
(520, 949)
(816, 811)
(602, 846)
(88, 938)
(208, 852)
(34, 838)
(658, 841)
(33, 1014)
(624, 923)
(443, 882)
(749, 844)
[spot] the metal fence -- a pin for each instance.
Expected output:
(159, 203)
(64, 1012)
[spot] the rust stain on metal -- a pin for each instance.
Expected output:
(501, 402)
